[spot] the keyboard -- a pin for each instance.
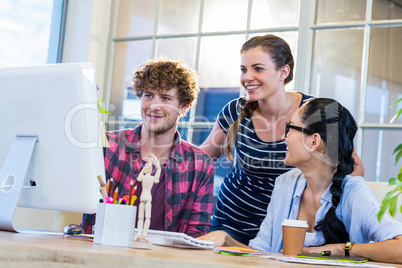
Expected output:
(166, 238)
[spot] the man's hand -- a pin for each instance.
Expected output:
(154, 161)
(218, 237)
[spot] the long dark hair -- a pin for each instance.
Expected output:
(337, 128)
(281, 55)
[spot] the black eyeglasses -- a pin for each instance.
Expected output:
(302, 129)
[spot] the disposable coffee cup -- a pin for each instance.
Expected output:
(294, 233)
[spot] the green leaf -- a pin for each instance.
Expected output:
(392, 181)
(398, 182)
(397, 115)
(395, 103)
(388, 196)
(398, 148)
(400, 176)
(392, 206)
(398, 156)
(381, 213)
(385, 204)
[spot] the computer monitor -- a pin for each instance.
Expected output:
(51, 152)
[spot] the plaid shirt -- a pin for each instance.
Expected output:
(188, 180)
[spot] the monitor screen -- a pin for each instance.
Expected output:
(50, 139)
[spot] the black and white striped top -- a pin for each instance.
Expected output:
(246, 191)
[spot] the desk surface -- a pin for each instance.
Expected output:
(18, 250)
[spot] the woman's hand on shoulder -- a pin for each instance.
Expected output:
(358, 169)
(215, 142)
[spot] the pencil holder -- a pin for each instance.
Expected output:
(115, 224)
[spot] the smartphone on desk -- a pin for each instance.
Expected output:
(356, 259)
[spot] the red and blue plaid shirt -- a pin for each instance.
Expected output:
(188, 177)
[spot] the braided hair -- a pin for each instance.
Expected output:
(337, 128)
(281, 55)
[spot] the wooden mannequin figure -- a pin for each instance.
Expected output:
(145, 199)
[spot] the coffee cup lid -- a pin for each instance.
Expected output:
(295, 223)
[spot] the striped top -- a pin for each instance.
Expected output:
(246, 191)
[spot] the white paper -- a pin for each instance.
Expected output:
(324, 262)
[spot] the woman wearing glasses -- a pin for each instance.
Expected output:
(253, 128)
(340, 210)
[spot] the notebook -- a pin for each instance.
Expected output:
(166, 238)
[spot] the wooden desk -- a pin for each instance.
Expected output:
(34, 250)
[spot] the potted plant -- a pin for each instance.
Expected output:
(390, 200)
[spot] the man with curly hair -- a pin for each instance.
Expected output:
(182, 200)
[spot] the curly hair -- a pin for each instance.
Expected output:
(162, 74)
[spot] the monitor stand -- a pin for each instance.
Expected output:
(12, 178)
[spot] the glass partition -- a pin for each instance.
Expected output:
(272, 13)
(179, 16)
(330, 11)
(224, 15)
(336, 66)
(136, 18)
(378, 161)
(387, 10)
(384, 83)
